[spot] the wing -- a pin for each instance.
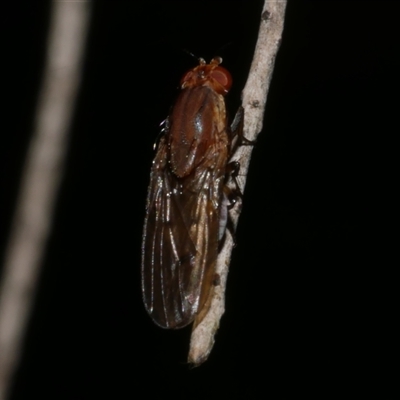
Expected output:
(180, 238)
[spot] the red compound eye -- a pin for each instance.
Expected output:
(187, 77)
(223, 77)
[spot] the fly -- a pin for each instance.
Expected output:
(188, 199)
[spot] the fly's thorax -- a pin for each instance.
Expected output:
(197, 126)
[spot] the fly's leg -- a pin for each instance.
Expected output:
(238, 138)
(233, 193)
(231, 196)
(164, 130)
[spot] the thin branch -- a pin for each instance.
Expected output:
(40, 181)
(253, 100)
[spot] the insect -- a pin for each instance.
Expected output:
(188, 199)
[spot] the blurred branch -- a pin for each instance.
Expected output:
(41, 178)
(254, 98)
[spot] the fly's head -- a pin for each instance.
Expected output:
(212, 75)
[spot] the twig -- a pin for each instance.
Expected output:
(253, 100)
(40, 181)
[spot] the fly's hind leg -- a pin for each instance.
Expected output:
(235, 193)
(231, 197)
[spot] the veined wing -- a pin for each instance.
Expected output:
(180, 239)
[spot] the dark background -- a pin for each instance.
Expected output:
(312, 299)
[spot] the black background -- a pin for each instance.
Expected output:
(312, 300)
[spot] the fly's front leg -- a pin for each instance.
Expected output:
(236, 128)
